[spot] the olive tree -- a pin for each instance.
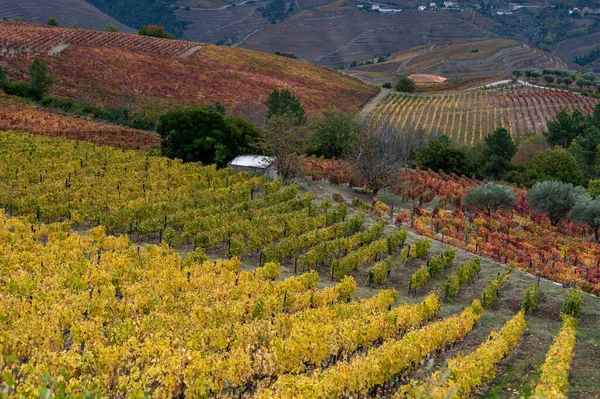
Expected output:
(587, 210)
(490, 197)
(554, 199)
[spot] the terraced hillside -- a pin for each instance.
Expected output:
(24, 117)
(110, 68)
(336, 36)
(218, 25)
(467, 116)
(461, 60)
(579, 47)
(65, 11)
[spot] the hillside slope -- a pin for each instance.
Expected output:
(336, 36)
(65, 11)
(461, 60)
(24, 117)
(120, 69)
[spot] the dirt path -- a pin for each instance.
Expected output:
(373, 102)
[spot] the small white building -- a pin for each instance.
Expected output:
(375, 7)
(257, 164)
(422, 8)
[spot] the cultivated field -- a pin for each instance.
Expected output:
(24, 117)
(118, 69)
(298, 296)
(467, 116)
(461, 61)
(65, 11)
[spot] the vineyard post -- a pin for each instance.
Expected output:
(332, 270)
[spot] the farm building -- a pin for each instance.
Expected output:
(425, 78)
(257, 164)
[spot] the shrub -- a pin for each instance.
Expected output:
(346, 288)
(463, 275)
(395, 240)
(490, 292)
(387, 85)
(111, 28)
(52, 21)
(379, 273)
(155, 31)
(530, 298)
(419, 278)
(420, 248)
(406, 85)
(572, 305)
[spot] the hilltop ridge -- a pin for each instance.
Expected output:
(116, 68)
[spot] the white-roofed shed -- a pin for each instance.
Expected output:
(257, 164)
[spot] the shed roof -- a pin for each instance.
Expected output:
(426, 78)
(253, 161)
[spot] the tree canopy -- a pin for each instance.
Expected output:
(284, 103)
(557, 164)
(406, 85)
(587, 210)
(554, 199)
(332, 133)
(499, 150)
(440, 154)
(205, 135)
(490, 197)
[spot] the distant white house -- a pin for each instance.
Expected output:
(257, 164)
(375, 7)
(422, 8)
(451, 4)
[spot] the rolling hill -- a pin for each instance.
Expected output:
(461, 61)
(65, 11)
(131, 70)
(338, 35)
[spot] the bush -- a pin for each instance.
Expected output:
(387, 85)
(572, 305)
(111, 28)
(395, 240)
(464, 274)
(419, 278)
(530, 298)
(406, 85)
(155, 31)
(379, 273)
(420, 248)
(490, 292)
(52, 21)
(17, 89)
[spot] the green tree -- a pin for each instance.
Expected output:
(499, 149)
(565, 128)
(554, 199)
(39, 81)
(587, 211)
(405, 85)
(490, 197)
(111, 28)
(549, 78)
(155, 31)
(284, 103)
(517, 73)
(205, 135)
(284, 139)
(52, 21)
(332, 133)
(556, 164)
(593, 188)
(439, 154)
